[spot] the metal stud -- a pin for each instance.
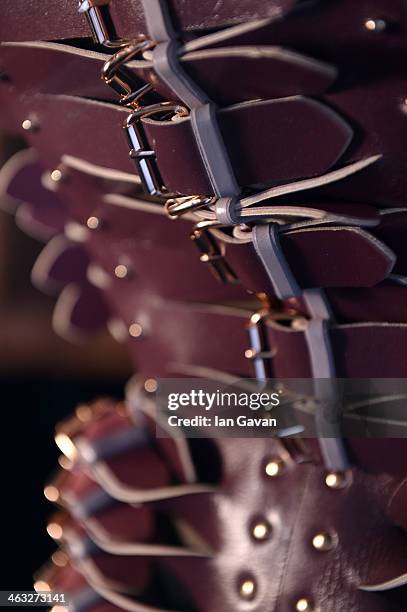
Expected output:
(337, 480)
(375, 25)
(274, 467)
(59, 558)
(56, 175)
(121, 271)
(93, 223)
(261, 530)
(29, 124)
(41, 585)
(55, 531)
(247, 588)
(51, 493)
(151, 385)
(323, 541)
(303, 605)
(65, 445)
(135, 330)
(64, 462)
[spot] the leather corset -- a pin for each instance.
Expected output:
(240, 166)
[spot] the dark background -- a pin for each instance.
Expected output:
(30, 409)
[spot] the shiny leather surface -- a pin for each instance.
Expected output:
(61, 69)
(354, 516)
(24, 21)
(312, 121)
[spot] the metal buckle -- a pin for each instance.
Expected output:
(122, 80)
(98, 16)
(176, 207)
(212, 254)
(143, 156)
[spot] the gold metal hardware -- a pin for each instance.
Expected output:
(212, 255)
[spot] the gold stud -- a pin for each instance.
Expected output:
(121, 271)
(93, 223)
(247, 588)
(65, 445)
(55, 531)
(56, 175)
(375, 25)
(303, 605)
(64, 462)
(151, 385)
(135, 330)
(84, 413)
(41, 585)
(29, 125)
(261, 530)
(59, 558)
(274, 467)
(250, 354)
(51, 493)
(337, 480)
(323, 541)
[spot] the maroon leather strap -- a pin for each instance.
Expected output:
(385, 344)
(252, 166)
(327, 264)
(22, 20)
(62, 69)
(258, 124)
(351, 256)
(55, 69)
(384, 302)
(300, 473)
(254, 135)
(176, 336)
(265, 130)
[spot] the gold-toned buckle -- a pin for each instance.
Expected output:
(116, 75)
(176, 207)
(211, 252)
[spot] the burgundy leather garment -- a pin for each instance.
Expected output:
(61, 69)
(229, 200)
(264, 511)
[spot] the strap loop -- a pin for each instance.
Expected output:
(203, 112)
(267, 245)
